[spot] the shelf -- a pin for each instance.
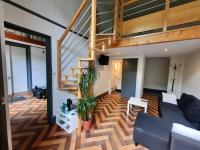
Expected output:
(68, 115)
(68, 122)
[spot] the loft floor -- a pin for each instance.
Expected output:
(111, 129)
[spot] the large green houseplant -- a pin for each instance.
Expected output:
(88, 102)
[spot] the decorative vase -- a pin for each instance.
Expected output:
(87, 125)
(69, 104)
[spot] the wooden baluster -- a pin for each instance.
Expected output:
(121, 17)
(116, 20)
(59, 64)
(166, 15)
(79, 96)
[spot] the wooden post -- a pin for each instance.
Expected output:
(116, 20)
(166, 15)
(121, 16)
(79, 96)
(93, 30)
(92, 47)
(93, 38)
(59, 74)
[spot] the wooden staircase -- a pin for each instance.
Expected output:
(97, 42)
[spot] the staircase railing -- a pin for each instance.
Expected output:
(74, 39)
(83, 30)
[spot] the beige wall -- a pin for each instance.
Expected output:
(103, 84)
(156, 73)
(191, 75)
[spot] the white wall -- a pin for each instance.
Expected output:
(38, 63)
(156, 73)
(191, 75)
(47, 8)
(60, 11)
(103, 84)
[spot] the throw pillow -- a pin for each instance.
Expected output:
(185, 101)
(169, 98)
(192, 111)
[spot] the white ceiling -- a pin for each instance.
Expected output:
(177, 48)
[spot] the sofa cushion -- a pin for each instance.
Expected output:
(172, 114)
(151, 132)
(185, 101)
(192, 111)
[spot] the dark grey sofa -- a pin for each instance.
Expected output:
(155, 133)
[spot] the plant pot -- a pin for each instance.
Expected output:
(87, 125)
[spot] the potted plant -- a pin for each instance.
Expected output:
(85, 108)
(88, 102)
(88, 78)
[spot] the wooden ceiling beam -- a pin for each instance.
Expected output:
(169, 36)
(12, 36)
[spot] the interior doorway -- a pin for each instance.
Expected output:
(37, 38)
(156, 75)
(32, 63)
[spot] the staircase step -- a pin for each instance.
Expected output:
(69, 88)
(70, 82)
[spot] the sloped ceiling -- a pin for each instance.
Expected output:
(60, 11)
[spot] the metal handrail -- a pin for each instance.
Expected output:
(78, 12)
(139, 5)
(76, 45)
(76, 36)
(104, 22)
(107, 3)
(75, 54)
(105, 12)
(144, 10)
(105, 30)
(77, 24)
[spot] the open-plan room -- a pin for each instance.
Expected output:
(100, 75)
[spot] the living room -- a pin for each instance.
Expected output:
(126, 80)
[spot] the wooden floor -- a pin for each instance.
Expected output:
(30, 130)
(111, 129)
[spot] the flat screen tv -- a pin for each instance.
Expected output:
(103, 60)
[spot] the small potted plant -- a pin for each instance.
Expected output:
(85, 108)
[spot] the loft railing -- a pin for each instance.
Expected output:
(147, 17)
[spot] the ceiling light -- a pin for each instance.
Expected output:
(166, 49)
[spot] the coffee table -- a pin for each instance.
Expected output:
(137, 102)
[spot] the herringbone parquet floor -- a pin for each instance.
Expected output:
(111, 129)
(30, 130)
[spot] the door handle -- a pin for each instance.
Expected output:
(2, 100)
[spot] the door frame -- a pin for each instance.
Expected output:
(28, 63)
(51, 118)
(5, 129)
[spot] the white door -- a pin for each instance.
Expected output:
(19, 66)
(8, 68)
